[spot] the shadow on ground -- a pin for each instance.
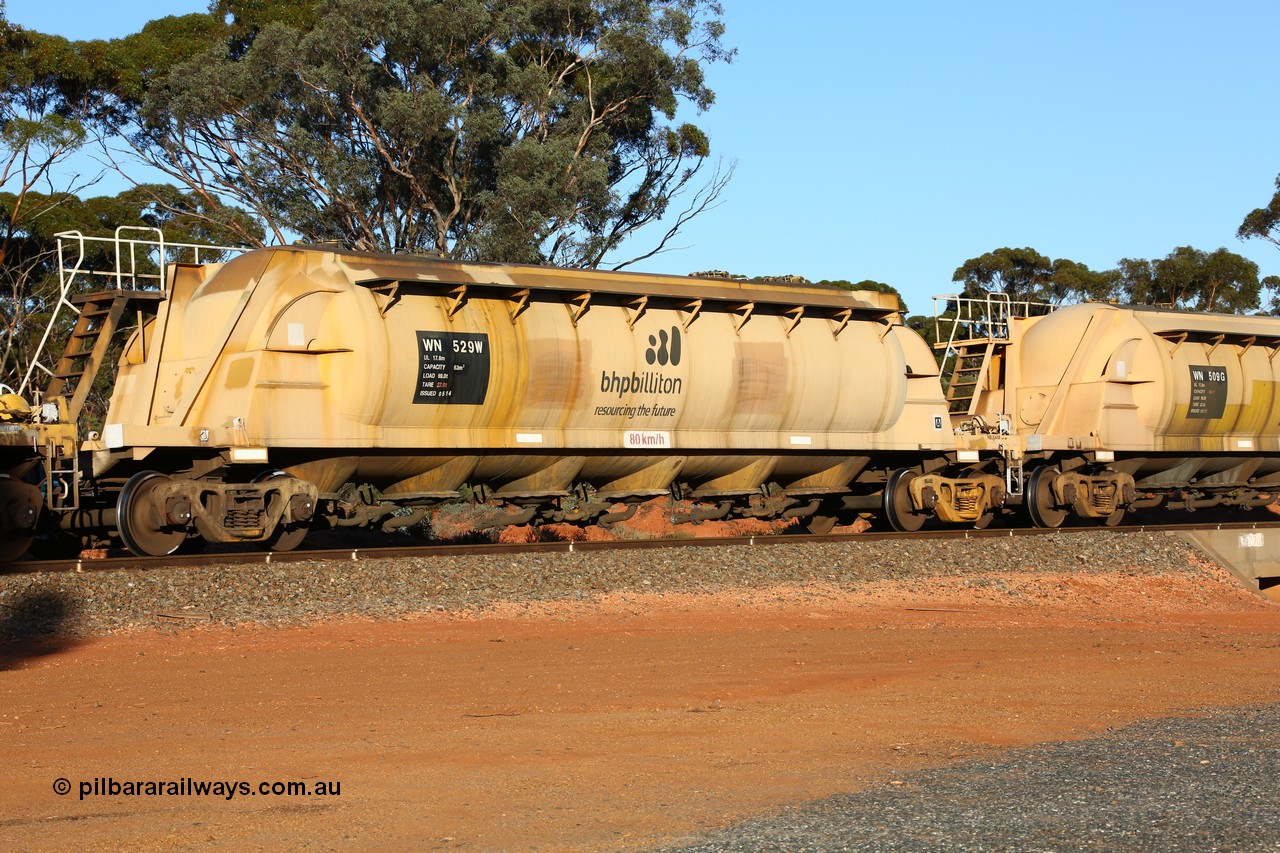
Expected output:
(33, 624)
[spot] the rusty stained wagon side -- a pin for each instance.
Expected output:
(296, 383)
(1112, 408)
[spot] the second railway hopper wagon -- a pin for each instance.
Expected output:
(33, 446)
(1111, 408)
(304, 385)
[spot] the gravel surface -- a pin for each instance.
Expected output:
(1184, 784)
(91, 603)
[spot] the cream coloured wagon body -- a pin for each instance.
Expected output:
(1164, 406)
(419, 376)
(1134, 379)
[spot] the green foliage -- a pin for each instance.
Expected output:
(1272, 284)
(1187, 278)
(135, 63)
(1023, 274)
(39, 129)
(1192, 279)
(1072, 281)
(868, 284)
(520, 130)
(927, 328)
(30, 274)
(1263, 222)
(1026, 275)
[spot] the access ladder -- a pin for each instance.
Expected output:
(101, 315)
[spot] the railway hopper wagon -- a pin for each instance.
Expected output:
(1107, 408)
(305, 386)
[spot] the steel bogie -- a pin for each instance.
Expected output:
(157, 514)
(297, 504)
(1095, 493)
(1101, 495)
(969, 497)
(36, 472)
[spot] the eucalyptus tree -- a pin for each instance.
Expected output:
(1263, 223)
(40, 129)
(518, 130)
(1193, 279)
(1023, 274)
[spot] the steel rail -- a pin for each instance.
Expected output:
(358, 553)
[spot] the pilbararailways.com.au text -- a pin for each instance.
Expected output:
(108, 786)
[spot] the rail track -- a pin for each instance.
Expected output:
(358, 552)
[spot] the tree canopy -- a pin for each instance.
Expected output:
(47, 113)
(1026, 275)
(517, 130)
(1186, 278)
(1263, 222)
(1021, 273)
(1193, 279)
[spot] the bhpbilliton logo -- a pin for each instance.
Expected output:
(664, 349)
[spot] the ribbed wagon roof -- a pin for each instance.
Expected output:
(377, 268)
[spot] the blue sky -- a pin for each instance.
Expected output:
(893, 141)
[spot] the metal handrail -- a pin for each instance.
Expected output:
(984, 319)
(127, 276)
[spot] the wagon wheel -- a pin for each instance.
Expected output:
(897, 502)
(1040, 503)
(140, 516)
(285, 537)
(24, 510)
(14, 547)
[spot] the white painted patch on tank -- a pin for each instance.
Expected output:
(528, 438)
(297, 335)
(497, 276)
(1253, 540)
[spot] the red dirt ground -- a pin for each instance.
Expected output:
(616, 724)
